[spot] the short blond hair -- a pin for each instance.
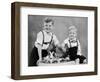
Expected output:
(48, 19)
(72, 28)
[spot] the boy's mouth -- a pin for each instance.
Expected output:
(48, 31)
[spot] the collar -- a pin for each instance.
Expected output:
(73, 41)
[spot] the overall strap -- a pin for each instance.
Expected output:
(43, 37)
(70, 43)
(77, 43)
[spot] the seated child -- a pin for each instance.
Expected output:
(72, 46)
(42, 44)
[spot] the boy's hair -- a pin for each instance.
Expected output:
(47, 20)
(73, 28)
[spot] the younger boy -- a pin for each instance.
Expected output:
(72, 46)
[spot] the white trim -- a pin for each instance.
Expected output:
(25, 70)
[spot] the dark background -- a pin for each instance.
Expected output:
(61, 24)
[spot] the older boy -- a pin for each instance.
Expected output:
(43, 42)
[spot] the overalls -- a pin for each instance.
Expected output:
(72, 52)
(34, 57)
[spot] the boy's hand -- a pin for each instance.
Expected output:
(39, 61)
(67, 58)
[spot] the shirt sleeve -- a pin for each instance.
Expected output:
(64, 45)
(79, 49)
(39, 39)
(56, 41)
(65, 42)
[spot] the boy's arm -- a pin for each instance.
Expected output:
(38, 43)
(40, 52)
(56, 41)
(65, 45)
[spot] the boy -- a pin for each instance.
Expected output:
(72, 47)
(45, 38)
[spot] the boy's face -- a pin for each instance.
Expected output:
(48, 26)
(72, 34)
